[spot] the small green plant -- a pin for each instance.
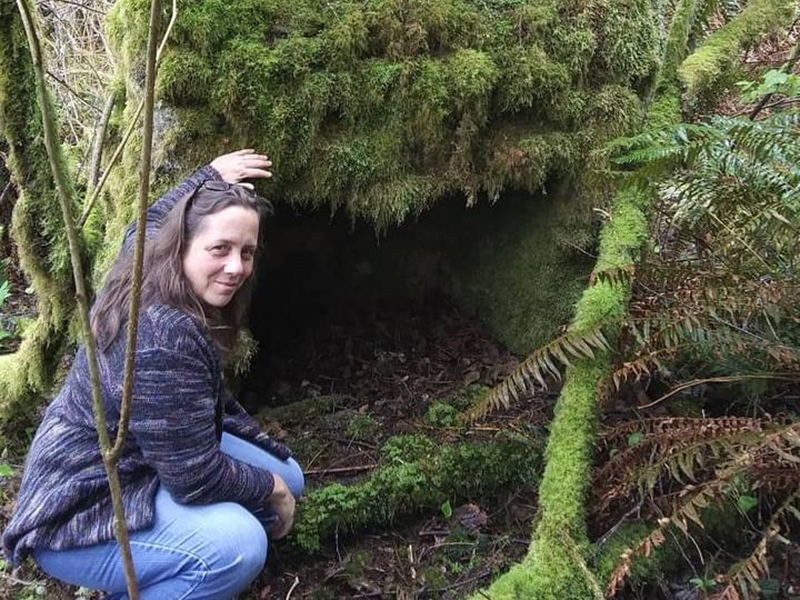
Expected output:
(774, 81)
(362, 428)
(746, 503)
(442, 415)
(703, 584)
(7, 334)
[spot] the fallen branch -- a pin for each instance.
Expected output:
(355, 469)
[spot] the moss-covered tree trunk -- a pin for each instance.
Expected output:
(557, 564)
(37, 233)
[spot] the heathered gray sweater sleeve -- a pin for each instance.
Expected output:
(173, 421)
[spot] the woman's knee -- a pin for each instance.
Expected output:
(238, 556)
(246, 543)
(294, 478)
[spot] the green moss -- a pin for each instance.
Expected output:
(703, 71)
(677, 39)
(551, 570)
(629, 535)
(414, 482)
(37, 232)
(627, 48)
(383, 108)
(362, 427)
(304, 410)
(440, 414)
(185, 75)
(514, 272)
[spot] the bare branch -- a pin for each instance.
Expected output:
(65, 188)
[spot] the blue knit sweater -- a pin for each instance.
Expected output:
(180, 408)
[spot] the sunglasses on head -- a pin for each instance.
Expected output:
(216, 185)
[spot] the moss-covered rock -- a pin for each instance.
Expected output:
(382, 107)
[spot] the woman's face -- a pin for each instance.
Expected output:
(219, 258)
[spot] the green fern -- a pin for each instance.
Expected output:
(542, 365)
(739, 455)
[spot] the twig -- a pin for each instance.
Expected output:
(118, 152)
(726, 379)
(341, 470)
(458, 584)
(141, 230)
(85, 6)
(336, 537)
(5, 191)
(97, 143)
(67, 86)
(356, 443)
(572, 550)
(601, 542)
(429, 549)
(65, 196)
(294, 585)
(315, 457)
(15, 581)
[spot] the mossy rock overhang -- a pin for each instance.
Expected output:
(435, 123)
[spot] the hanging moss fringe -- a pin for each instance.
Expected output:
(383, 107)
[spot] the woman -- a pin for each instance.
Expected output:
(200, 481)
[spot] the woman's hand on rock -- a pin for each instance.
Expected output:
(282, 503)
(243, 164)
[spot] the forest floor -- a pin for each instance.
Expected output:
(358, 384)
(335, 396)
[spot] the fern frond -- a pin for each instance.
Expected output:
(543, 364)
(643, 365)
(691, 499)
(681, 427)
(782, 444)
(746, 574)
(694, 498)
(681, 455)
(613, 276)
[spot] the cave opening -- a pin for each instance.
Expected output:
(427, 307)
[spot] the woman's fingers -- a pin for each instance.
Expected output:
(242, 164)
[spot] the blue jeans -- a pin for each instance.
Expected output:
(191, 552)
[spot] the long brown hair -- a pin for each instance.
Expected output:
(163, 280)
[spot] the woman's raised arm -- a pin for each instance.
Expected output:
(234, 167)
